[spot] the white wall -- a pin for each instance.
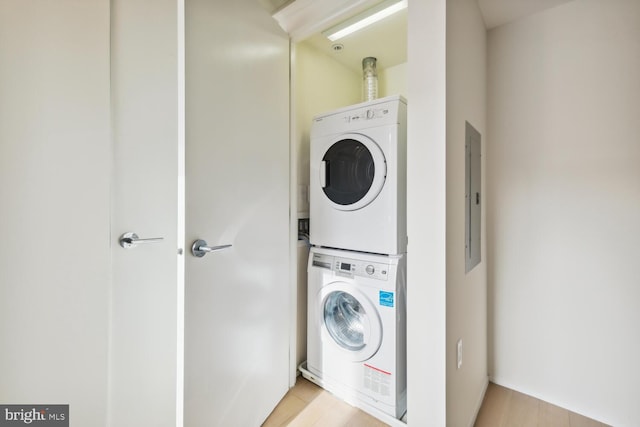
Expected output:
(466, 293)
(563, 177)
(393, 81)
(426, 214)
(55, 164)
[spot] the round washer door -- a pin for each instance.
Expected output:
(350, 322)
(352, 172)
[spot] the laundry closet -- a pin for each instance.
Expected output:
(323, 79)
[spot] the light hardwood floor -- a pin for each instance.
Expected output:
(503, 407)
(307, 405)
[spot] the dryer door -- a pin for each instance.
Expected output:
(352, 171)
(350, 322)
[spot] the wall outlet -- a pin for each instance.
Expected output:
(459, 353)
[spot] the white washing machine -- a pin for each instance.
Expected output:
(357, 180)
(356, 342)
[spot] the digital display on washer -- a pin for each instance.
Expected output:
(345, 266)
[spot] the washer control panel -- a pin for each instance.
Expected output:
(348, 267)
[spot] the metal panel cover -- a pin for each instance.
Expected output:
(473, 198)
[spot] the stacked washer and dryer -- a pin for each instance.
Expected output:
(356, 337)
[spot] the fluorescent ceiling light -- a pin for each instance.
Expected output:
(364, 19)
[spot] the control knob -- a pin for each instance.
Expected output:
(370, 269)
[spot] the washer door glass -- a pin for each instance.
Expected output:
(353, 171)
(346, 320)
(351, 323)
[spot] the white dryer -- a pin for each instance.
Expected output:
(357, 180)
(356, 342)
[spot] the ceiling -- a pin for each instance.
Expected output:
(500, 12)
(387, 40)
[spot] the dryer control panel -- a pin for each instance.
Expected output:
(366, 114)
(348, 267)
(388, 111)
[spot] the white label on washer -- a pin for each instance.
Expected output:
(377, 380)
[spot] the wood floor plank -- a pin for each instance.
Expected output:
(288, 408)
(338, 415)
(577, 420)
(314, 411)
(306, 390)
(362, 419)
(522, 411)
(553, 416)
(494, 407)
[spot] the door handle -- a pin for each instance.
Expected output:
(131, 239)
(200, 248)
(323, 173)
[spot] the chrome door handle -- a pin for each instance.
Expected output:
(200, 248)
(323, 174)
(131, 239)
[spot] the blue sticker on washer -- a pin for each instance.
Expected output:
(386, 299)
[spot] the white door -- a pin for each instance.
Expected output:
(89, 118)
(88, 146)
(144, 346)
(55, 163)
(237, 179)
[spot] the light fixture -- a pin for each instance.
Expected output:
(364, 19)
